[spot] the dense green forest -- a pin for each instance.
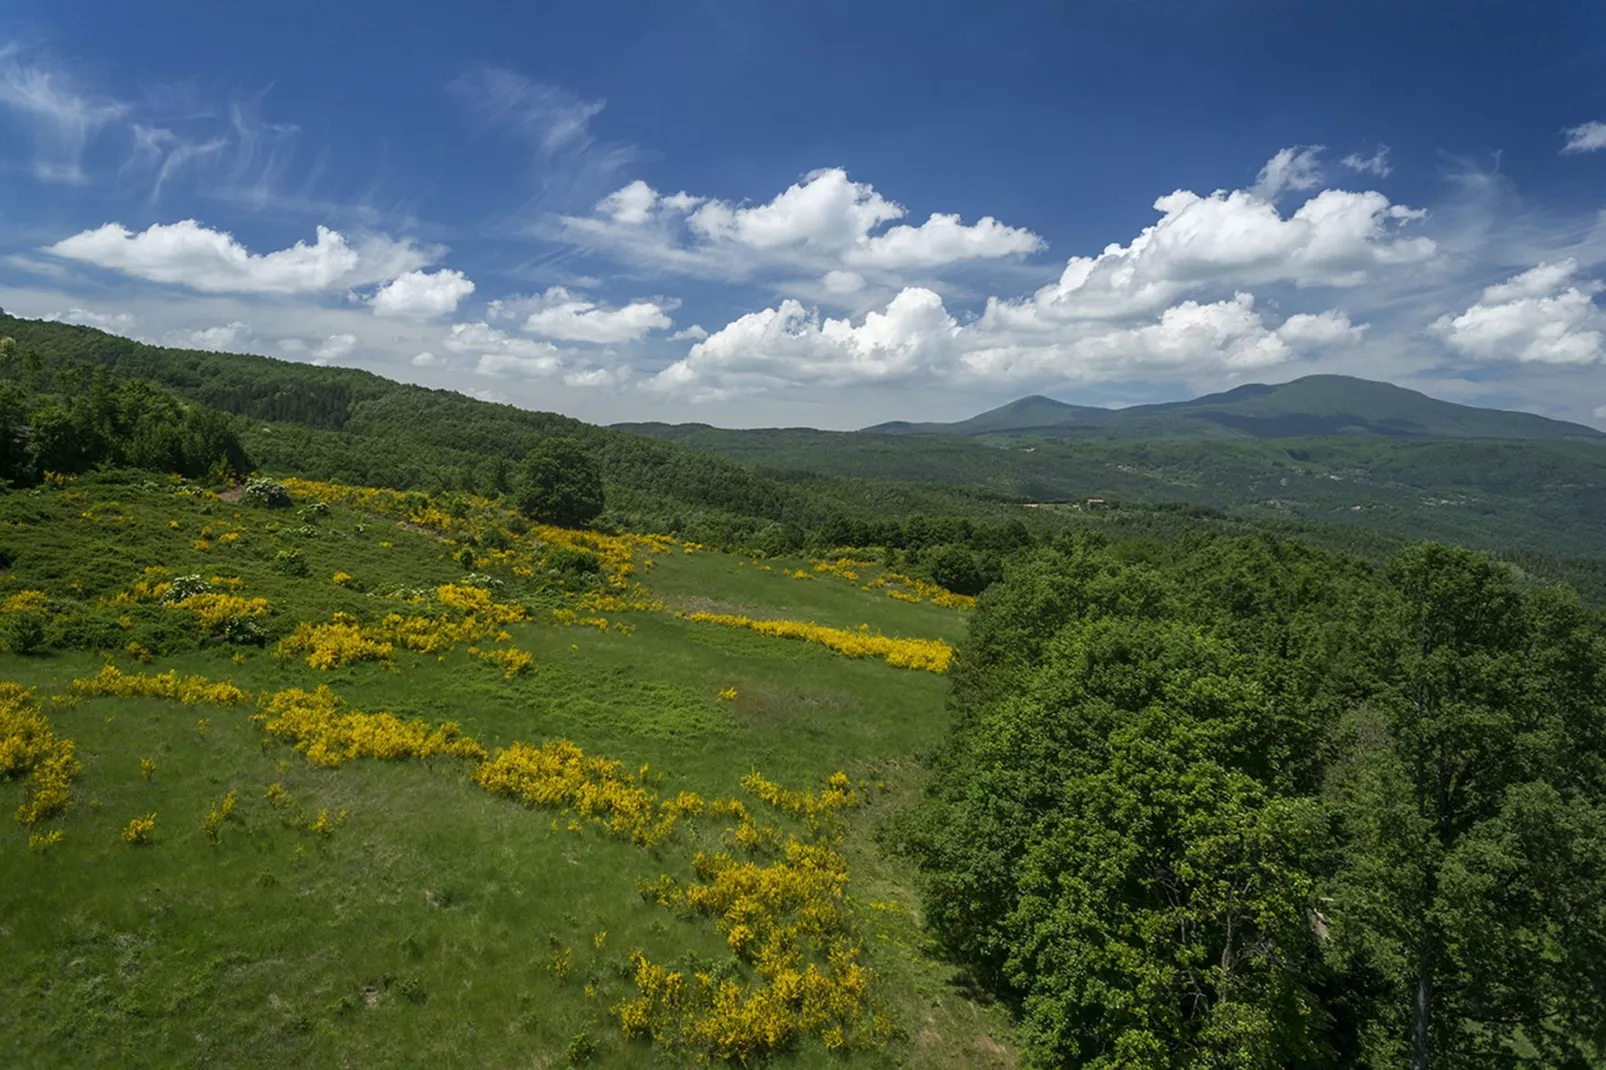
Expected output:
(1239, 803)
(1548, 497)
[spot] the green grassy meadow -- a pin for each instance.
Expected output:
(430, 926)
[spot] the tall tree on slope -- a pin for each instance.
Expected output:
(1466, 910)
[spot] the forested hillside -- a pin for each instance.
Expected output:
(1541, 504)
(339, 423)
(1236, 803)
(1544, 497)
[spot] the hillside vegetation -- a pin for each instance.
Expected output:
(760, 765)
(296, 786)
(1537, 496)
(1240, 803)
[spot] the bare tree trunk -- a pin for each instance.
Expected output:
(1422, 1018)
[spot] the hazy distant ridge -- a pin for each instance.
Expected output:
(1316, 405)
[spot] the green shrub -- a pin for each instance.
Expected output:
(581, 1049)
(22, 633)
(572, 561)
(86, 627)
(242, 631)
(268, 493)
(290, 562)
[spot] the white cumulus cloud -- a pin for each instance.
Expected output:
(915, 337)
(228, 336)
(826, 222)
(422, 294)
(1175, 300)
(790, 344)
(569, 317)
(327, 350)
(498, 351)
(1232, 239)
(1586, 137)
(1545, 315)
(115, 322)
(189, 254)
(1187, 340)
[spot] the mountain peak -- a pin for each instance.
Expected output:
(1310, 406)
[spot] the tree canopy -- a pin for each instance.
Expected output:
(1239, 803)
(560, 484)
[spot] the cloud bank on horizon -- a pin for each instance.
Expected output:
(558, 272)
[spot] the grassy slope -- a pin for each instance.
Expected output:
(258, 951)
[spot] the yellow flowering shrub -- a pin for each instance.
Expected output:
(846, 567)
(25, 601)
(633, 600)
(340, 642)
(43, 841)
(29, 746)
(790, 921)
(141, 831)
(341, 579)
(470, 615)
(324, 825)
(932, 655)
(837, 795)
(189, 690)
(558, 775)
(568, 618)
(727, 695)
(513, 662)
(909, 589)
(214, 609)
(520, 554)
(221, 812)
(319, 724)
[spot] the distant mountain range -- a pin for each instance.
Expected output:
(1317, 405)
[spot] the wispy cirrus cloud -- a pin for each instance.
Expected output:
(62, 116)
(1376, 164)
(569, 163)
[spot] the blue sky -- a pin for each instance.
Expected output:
(825, 214)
